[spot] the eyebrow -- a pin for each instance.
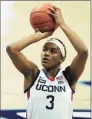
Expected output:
(51, 48)
(54, 48)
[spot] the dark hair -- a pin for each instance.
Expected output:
(62, 45)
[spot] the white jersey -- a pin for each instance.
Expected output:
(50, 99)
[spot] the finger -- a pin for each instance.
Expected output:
(48, 33)
(50, 13)
(52, 10)
(36, 29)
(56, 8)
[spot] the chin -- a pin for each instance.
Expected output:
(46, 66)
(49, 67)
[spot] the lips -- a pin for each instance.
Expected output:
(45, 60)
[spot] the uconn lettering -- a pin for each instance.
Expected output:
(50, 88)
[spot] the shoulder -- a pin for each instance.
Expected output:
(69, 76)
(31, 76)
(28, 85)
(66, 72)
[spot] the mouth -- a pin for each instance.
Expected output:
(45, 60)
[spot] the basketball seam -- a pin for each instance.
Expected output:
(43, 22)
(38, 12)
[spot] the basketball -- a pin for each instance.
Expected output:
(40, 19)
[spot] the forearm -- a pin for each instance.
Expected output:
(74, 39)
(24, 42)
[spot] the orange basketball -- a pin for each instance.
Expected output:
(40, 19)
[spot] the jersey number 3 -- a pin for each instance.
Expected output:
(51, 105)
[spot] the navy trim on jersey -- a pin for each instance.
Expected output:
(46, 74)
(32, 82)
(69, 77)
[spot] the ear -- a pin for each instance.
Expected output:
(62, 60)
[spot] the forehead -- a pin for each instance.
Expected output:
(52, 46)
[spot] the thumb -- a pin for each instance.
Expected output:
(48, 33)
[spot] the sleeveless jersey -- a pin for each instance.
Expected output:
(50, 99)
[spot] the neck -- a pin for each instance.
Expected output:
(52, 71)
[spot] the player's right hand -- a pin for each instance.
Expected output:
(44, 35)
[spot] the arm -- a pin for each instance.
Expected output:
(26, 67)
(78, 64)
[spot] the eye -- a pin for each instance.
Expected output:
(53, 51)
(44, 49)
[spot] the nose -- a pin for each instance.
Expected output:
(47, 53)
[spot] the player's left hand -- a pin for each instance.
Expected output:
(56, 13)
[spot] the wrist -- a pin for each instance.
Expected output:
(37, 36)
(63, 26)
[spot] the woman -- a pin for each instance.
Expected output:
(50, 88)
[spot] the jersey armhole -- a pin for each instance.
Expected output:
(32, 82)
(67, 75)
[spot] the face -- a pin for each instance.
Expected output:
(51, 56)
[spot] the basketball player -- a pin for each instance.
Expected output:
(51, 88)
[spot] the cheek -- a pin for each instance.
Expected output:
(55, 59)
(42, 54)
